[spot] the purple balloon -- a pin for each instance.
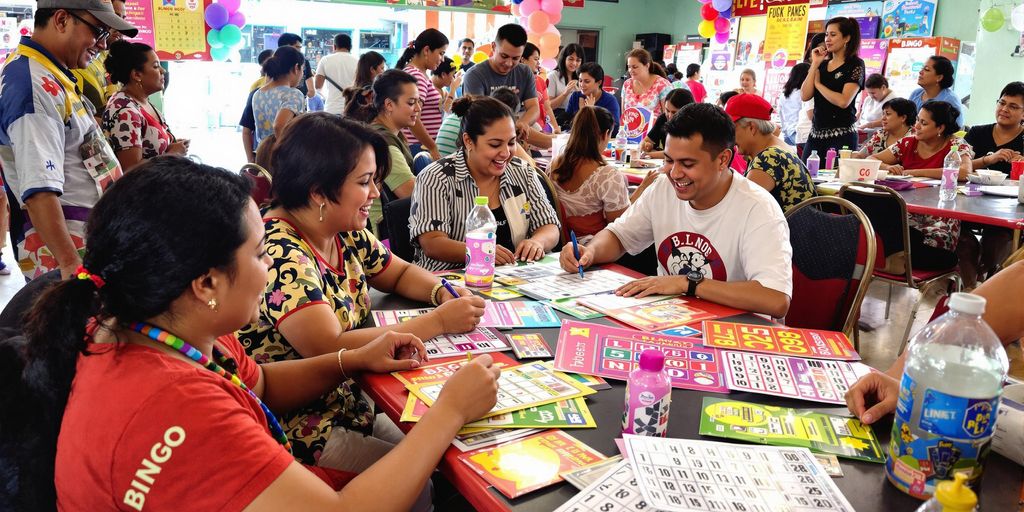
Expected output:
(237, 19)
(216, 16)
(722, 37)
(726, 13)
(722, 5)
(231, 5)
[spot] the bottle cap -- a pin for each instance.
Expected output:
(652, 360)
(481, 200)
(968, 303)
(814, 152)
(954, 495)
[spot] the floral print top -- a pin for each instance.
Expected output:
(792, 180)
(128, 125)
(650, 99)
(301, 277)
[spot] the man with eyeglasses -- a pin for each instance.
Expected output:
(55, 158)
(92, 79)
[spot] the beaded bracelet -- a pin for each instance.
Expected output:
(433, 295)
(340, 366)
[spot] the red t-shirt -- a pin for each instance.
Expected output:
(906, 152)
(144, 430)
(698, 90)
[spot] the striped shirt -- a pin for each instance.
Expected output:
(444, 194)
(448, 135)
(431, 114)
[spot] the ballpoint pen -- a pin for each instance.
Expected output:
(576, 252)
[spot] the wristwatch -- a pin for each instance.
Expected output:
(694, 277)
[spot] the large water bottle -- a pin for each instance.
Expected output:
(950, 174)
(621, 141)
(648, 396)
(480, 244)
(813, 163)
(948, 399)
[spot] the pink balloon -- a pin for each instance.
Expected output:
(237, 19)
(704, 1)
(552, 6)
(528, 7)
(554, 17)
(538, 22)
(231, 5)
(722, 37)
(721, 25)
(549, 63)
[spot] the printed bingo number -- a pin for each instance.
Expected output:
(616, 491)
(758, 339)
(681, 474)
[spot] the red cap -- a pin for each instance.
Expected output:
(748, 105)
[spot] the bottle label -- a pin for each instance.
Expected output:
(480, 260)
(650, 418)
(949, 176)
(957, 417)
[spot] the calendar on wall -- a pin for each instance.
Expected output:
(179, 29)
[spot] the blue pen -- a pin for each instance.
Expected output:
(576, 251)
(448, 286)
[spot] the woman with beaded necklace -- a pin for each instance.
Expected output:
(166, 409)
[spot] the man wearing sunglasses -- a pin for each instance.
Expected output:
(92, 79)
(56, 161)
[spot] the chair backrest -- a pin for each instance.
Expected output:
(833, 258)
(261, 183)
(552, 193)
(888, 214)
(396, 224)
(420, 162)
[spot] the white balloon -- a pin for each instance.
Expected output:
(1017, 18)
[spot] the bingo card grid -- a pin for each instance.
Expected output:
(570, 285)
(685, 475)
(682, 363)
(519, 386)
(763, 373)
(616, 490)
(478, 341)
(529, 272)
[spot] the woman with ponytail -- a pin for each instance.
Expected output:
(165, 407)
(592, 192)
(277, 102)
(425, 54)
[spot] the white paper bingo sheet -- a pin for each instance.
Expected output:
(691, 475)
(615, 491)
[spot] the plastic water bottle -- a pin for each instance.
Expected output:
(950, 173)
(830, 158)
(648, 396)
(813, 163)
(620, 144)
(951, 496)
(948, 398)
(845, 152)
(480, 244)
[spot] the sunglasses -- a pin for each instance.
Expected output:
(100, 34)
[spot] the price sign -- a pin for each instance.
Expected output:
(783, 340)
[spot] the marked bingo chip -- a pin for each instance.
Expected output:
(792, 377)
(478, 341)
(615, 491)
(688, 475)
(570, 285)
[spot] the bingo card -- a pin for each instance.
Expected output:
(525, 272)
(529, 345)
(530, 314)
(817, 380)
(686, 475)
(385, 317)
(570, 285)
(779, 340)
(615, 491)
(477, 341)
(613, 352)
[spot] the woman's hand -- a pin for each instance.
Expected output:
(444, 296)
(897, 170)
(389, 352)
(529, 250)
(647, 145)
(876, 389)
(178, 147)
(573, 85)
(1003, 155)
(472, 391)
(503, 256)
(818, 56)
(435, 153)
(460, 315)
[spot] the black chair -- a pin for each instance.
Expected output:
(396, 225)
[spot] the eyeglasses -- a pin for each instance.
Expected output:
(100, 34)
(1012, 107)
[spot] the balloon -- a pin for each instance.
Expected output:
(722, 5)
(554, 17)
(216, 16)
(528, 7)
(1017, 18)
(993, 19)
(230, 36)
(515, 9)
(552, 6)
(213, 38)
(708, 12)
(237, 19)
(722, 37)
(517, 2)
(231, 5)
(220, 54)
(706, 29)
(479, 56)
(457, 61)
(704, 1)
(486, 49)
(721, 25)
(726, 13)
(538, 21)
(549, 63)
(548, 44)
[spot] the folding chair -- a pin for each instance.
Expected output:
(396, 225)
(888, 213)
(833, 258)
(552, 194)
(261, 183)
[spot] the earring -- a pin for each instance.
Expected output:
(322, 211)
(213, 304)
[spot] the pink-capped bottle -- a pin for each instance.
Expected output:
(648, 396)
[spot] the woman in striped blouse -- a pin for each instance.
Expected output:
(483, 166)
(425, 54)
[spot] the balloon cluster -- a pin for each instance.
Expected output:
(716, 20)
(226, 22)
(540, 17)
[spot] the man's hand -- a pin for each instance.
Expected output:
(654, 285)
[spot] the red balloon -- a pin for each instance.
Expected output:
(708, 12)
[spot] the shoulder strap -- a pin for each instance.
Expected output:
(335, 84)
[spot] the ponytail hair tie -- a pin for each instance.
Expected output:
(83, 274)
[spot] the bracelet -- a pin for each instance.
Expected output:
(433, 295)
(340, 366)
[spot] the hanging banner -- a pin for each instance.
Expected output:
(908, 18)
(179, 29)
(786, 33)
(573, 3)
(760, 7)
(490, 6)
(140, 14)
(750, 41)
(873, 52)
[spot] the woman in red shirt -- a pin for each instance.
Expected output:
(166, 409)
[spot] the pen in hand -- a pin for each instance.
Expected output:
(448, 286)
(576, 252)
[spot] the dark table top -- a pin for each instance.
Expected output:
(864, 483)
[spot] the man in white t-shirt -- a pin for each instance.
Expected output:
(718, 236)
(339, 70)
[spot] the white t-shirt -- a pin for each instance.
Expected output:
(744, 237)
(340, 67)
(803, 123)
(871, 110)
